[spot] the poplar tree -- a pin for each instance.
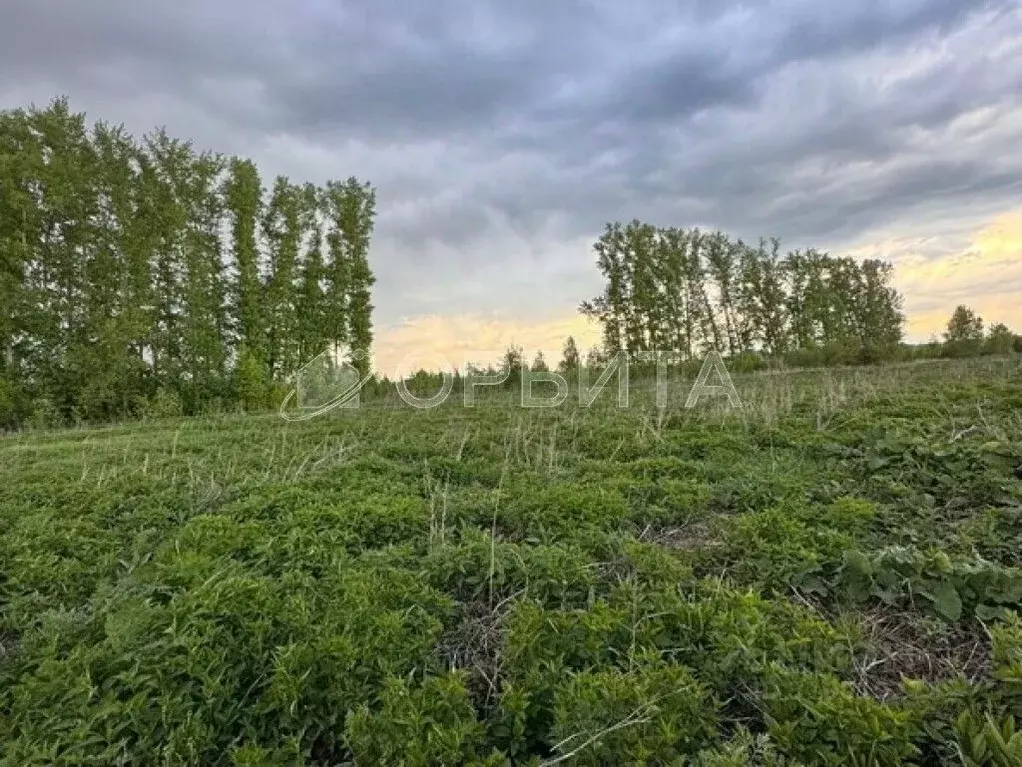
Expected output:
(171, 160)
(243, 198)
(205, 331)
(350, 209)
(310, 300)
(360, 276)
(19, 157)
(691, 291)
(282, 227)
(144, 276)
(111, 372)
(610, 307)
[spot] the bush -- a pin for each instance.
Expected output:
(653, 715)
(43, 414)
(12, 404)
(747, 362)
(930, 579)
(817, 719)
(432, 723)
(164, 404)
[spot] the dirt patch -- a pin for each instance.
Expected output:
(904, 645)
(10, 641)
(692, 537)
(473, 643)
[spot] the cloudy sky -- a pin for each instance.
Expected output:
(502, 135)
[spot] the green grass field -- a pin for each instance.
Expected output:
(827, 577)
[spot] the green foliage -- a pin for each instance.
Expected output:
(164, 404)
(932, 580)
(250, 381)
(791, 545)
(129, 268)
(434, 723)
(741, 750)
(689, 291)
(222, 653)
(654, 714)
(829, 577)
(43, 414)
(512, 365)
(570, 357)
(818, 720)
(964, 329)
(984, 742)
(999, 340)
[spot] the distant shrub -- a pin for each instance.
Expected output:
(43, 414)
(12, 404)
(164, 404)
(1000, 340)
(747, 362)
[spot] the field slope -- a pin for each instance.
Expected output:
(828, 577)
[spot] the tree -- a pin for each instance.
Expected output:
(350, 209)
(136, 273)
(204, 321)
(999, 340)
(964, 325)
(310, 301)
(250, 382)
(539, 363)
(688, 291)
(513, 362)
(964, 334)
(569, 357)
(609, 307)
(243, 193)
(876, 309)
(282, 227)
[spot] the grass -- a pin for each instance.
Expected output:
(829, 576)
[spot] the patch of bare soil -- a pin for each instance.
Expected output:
(691, 537)
(904, 645)
(473, 643)
(9, 643)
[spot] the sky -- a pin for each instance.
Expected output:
(502, 136)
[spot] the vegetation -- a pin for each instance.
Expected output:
(687, 291)
(145, 277)
(831, 575)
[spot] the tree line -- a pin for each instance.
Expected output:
(690, 291)
(686, 291)
(965, 336)
(145, 275)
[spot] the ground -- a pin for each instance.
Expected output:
(828, 576)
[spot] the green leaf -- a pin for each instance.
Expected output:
(946, 601)
(989, 612)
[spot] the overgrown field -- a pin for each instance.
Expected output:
(828, 577)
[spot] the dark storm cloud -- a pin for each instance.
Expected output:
(498, 132)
